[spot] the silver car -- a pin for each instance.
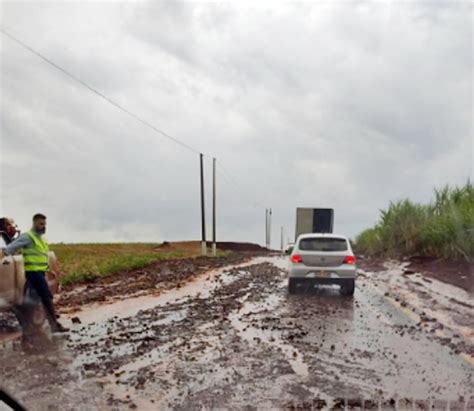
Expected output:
(322, 259)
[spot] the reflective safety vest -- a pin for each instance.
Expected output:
(35, 256)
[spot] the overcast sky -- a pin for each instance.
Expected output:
(348, 105)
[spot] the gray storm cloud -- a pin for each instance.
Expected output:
(348, 105)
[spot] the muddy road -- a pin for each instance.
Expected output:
(232, 338)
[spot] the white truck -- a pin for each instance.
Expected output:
(314, 220)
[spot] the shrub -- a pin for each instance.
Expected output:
(444, 228)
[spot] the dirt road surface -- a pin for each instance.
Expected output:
(232, 338)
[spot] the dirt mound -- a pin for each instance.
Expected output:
(455, 272)
(230, 246)
(161, 275)
(458, 273)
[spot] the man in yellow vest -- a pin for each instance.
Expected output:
(35, 255)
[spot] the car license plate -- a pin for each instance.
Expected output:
(323, 274)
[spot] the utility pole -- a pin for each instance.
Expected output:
(203, 211)
(266, 227)
(281, 240)
(214, 245)
(269, 228)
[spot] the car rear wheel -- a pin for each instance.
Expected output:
(348, 288)
(292, 285)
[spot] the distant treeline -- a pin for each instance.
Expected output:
(443, 228)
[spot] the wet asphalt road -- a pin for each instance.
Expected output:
(236, 340)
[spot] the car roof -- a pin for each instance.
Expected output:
(322, 235)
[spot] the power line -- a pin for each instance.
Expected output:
(227, 173)
(228, 176)
(98, 93)
(231, 180)
(226, 179)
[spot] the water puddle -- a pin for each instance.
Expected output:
(433, 298)
(272, 338)
(200, 286)
(6, 339)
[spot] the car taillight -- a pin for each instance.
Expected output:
(350, 259)
(296, 258)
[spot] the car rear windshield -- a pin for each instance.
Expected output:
(323, 244)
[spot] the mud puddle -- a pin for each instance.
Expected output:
(440, 309)
(129, 305)
(159, 276)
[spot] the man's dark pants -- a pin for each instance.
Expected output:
(37, 281)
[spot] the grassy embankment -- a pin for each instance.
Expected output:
(444, 228)
(85, 262)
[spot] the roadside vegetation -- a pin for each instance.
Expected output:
(86, 262)
(443, 229)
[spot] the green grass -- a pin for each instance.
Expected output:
(444, 228)
(85, 262)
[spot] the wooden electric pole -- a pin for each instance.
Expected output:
(203, 211)
(269, 228)
(266, 227)
(281, 240)
(214, 244)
